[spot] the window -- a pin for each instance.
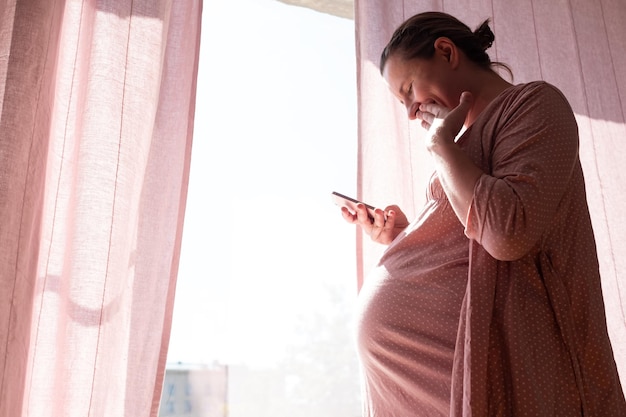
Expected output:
(267, 281)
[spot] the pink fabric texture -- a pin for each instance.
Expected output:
(532, 339)
(95, 139)
(576, 47)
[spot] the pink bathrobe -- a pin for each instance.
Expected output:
(504, 317)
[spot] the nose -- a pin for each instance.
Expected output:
(411, 109)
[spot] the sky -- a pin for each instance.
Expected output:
(275, 133)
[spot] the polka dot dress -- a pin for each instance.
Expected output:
(502, 317)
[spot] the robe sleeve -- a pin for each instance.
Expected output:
(532, 157)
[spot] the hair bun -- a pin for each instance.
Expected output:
(484, 35)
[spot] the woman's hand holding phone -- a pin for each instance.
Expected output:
(381, 225)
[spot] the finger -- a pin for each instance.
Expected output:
(459, 113)
(465, 103)
(466, 98)
(433, 108)
(379, 218)
(425, 117)
(428, 107)
(364, 218)
(420, 116)
(378, 226)
(451, 124)
(348, 215)
(390, 221)
(385, 234)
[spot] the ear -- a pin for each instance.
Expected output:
(446, 49)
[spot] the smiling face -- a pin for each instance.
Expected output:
(417, 81)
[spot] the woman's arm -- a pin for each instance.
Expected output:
(456, 171)
(531, 160)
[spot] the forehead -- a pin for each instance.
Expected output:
(396, 71)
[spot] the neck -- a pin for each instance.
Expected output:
(489, 85)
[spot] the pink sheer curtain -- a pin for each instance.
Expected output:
(577, 46)
(95, 139)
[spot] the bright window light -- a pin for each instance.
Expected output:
(267, 281)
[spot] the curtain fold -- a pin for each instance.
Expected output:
(95, 140)
(575, 45)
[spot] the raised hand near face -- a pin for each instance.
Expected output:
(444, 124)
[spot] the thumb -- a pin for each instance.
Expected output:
(457, 116)
(462, 110)
(466, 100)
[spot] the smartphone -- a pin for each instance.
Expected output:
(349, 202)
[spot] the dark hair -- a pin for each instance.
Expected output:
(415, 38)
